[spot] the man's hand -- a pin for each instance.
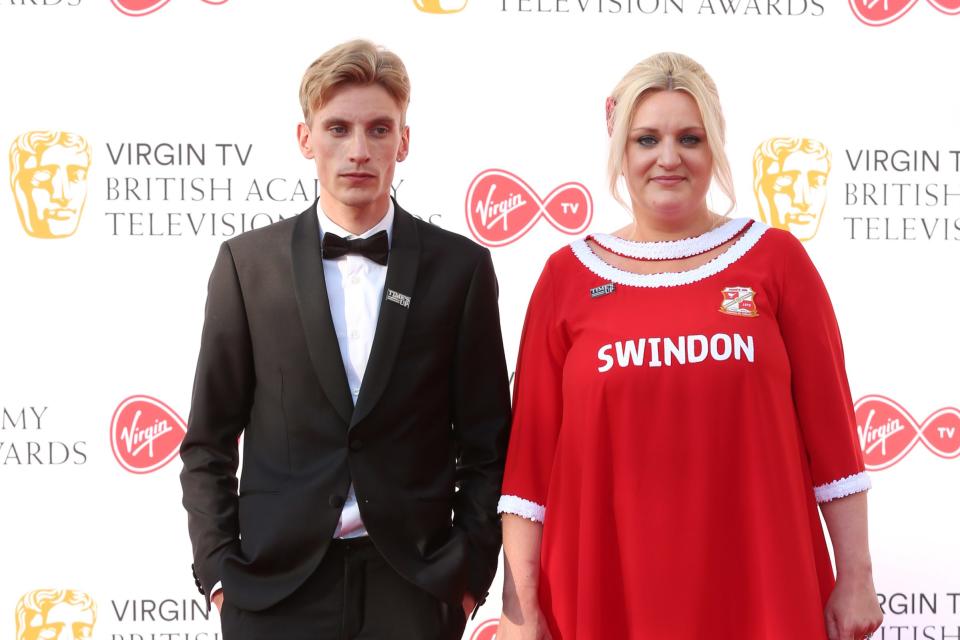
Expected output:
(469, 602)
(217, 599)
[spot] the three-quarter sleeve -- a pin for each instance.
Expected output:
(821, 392)
(537, 406)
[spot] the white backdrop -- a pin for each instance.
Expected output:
(115, 310)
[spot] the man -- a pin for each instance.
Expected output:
(55, 614)
(790, 182)
(49, 181)
(358, 350)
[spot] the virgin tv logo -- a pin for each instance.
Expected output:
(878, 13)
(137, 8)
(145, 434)
(888, 432)
(501, 207)
(486, 631)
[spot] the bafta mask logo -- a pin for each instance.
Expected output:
(790, 182)
(55, 614)
(48, 175)
(440, 6)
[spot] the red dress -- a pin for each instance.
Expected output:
(674, 433)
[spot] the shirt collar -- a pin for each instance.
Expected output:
(385, 224)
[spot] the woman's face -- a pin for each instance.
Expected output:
(667, 162)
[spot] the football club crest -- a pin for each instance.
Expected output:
(738, 301)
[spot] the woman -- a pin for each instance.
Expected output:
(681, 410)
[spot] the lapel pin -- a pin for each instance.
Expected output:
(399, 298)
(602, 290)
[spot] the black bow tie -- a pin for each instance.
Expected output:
(375, 248)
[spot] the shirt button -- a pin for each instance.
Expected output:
(355, 280)
(354, 335)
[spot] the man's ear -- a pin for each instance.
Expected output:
(404, 144)
(303, 140)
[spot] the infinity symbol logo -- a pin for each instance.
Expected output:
(137, 8)
(888, 432)
(501, 207)
(877, 13)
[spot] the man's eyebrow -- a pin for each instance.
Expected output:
(376, 120)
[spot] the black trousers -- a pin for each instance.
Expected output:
(353, 595)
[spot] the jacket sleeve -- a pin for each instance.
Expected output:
(481, 422)
(219, 411)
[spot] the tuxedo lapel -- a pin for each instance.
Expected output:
(394, 309)
(311, 291)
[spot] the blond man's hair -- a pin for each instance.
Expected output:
(358, 62)
(667, 72)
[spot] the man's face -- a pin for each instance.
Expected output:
(796, 192)
(52, 191)
(62, 622)
(356, 139)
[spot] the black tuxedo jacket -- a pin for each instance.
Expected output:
(424, 445)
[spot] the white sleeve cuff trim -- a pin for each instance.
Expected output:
(843, 487)
(523, 508)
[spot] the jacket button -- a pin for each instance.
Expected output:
(356, 445)
(336, 501)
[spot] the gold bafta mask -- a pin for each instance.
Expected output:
(55, 614)
(790, 182)
(440, 6)
(48, 175)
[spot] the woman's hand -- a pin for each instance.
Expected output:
(852, 611)
(525, 625)
(521, 618)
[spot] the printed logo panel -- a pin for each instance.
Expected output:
(501, 207)
(486, 631)
(877, 13)
(790, 184)
(949, 7)
(48, 176)
(440, 6)
(137, 8)
(145, 434)
(55, 613)
(888, 432)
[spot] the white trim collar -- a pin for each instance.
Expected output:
(672, 249)
(608, 272)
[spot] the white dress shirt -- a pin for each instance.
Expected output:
(354, 291)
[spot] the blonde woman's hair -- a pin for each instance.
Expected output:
(667, 72)
(358, 62)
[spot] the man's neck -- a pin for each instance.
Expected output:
(356, 220)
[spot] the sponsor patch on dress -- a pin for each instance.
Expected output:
(602, 290)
